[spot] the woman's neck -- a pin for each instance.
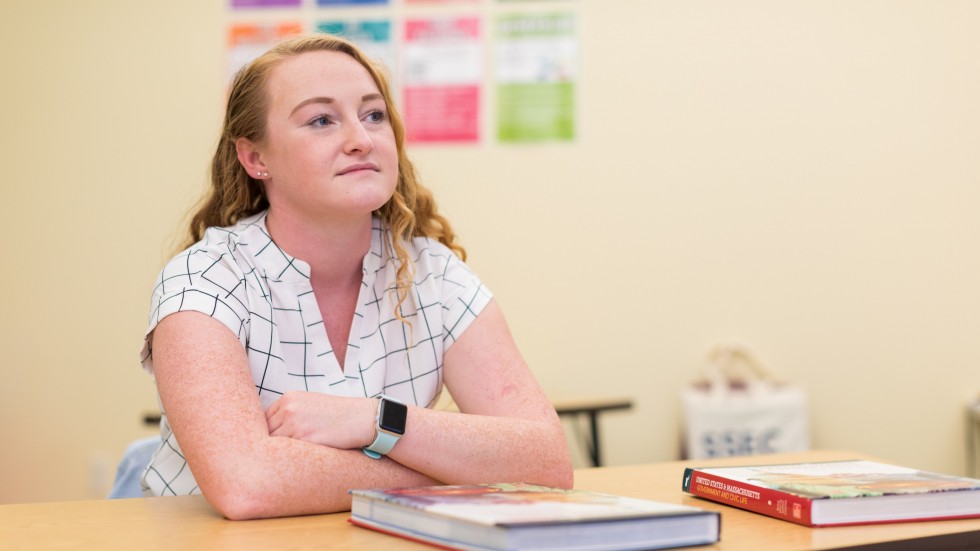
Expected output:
(334, 249)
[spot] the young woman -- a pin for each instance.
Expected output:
(300, 341)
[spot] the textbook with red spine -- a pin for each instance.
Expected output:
(838, 493)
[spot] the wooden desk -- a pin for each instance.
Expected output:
(171, 523)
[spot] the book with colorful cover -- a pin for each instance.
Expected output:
(836, 493)
(526, 516)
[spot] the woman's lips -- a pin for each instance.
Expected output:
(357, 167)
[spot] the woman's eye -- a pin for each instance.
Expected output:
(322, 120)
(376, 116)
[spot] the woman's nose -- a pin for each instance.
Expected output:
(357, 139)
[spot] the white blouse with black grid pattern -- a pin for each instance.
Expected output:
(240, 277)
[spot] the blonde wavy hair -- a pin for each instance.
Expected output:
(233, 194)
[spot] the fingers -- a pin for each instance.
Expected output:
(274, 418)
(288, 414)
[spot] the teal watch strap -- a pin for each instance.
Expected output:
(381, 446)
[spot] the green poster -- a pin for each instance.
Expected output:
(535, 68)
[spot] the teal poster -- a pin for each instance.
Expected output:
(372, 36)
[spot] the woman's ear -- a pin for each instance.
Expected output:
(251, 159)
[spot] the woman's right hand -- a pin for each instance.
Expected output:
(335, 421)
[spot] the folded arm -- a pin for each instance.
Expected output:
(303, 455)
(212, 406)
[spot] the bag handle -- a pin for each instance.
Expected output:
(734, 365)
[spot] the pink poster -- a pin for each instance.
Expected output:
(442, 79)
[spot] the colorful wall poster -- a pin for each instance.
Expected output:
(372, 36)
(536, 70)
(246, 41)
(442, 73)
(241, 4)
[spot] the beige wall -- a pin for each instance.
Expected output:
(798, 176)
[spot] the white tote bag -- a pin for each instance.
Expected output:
(740, 409)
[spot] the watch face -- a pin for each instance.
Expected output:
(393, 416)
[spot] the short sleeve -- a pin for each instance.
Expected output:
(199, 280)
(464, 297)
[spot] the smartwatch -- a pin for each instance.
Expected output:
(391, 418)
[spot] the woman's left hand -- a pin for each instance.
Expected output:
(335, 421)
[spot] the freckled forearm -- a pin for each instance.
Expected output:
(287, 477)
(484, 448)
